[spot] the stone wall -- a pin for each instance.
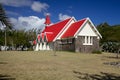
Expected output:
(76, 44)
(65, 44)
(79, 47)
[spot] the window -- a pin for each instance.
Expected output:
(87, 40)
(67, 41)
(83, 39)
(70, 40)
(64, 41)
(91, 40)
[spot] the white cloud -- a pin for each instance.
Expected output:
(38, 6)
(29, 22)
(13, 13)
(34, 5)
(63, 17)
(16, 3)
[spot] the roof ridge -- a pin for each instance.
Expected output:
(59, 21)
(82, 19)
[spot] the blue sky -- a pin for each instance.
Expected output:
(98, 11)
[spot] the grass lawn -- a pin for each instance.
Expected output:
(42, 65)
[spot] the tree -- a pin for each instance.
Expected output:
(109, 33)
(6, 23)
(4, 19)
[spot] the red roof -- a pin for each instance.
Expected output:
(73, 29)
(47, 21)
(48, 37)
(54, 29)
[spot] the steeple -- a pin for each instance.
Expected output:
(47, 21)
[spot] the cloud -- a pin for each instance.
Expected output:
(29, 22)
(34, 5)
(13, 13)
(63, 17)
(38, 6)
(16, 3)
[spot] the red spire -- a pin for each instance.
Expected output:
(47, 22)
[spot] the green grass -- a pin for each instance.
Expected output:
(43, 65)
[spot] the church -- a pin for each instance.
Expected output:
(69, 35)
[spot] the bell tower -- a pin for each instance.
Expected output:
(47, 20)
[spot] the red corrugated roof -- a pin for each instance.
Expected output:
(73, 29)
(55, 29)
(48, 37)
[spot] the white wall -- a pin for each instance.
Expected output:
(87, 30)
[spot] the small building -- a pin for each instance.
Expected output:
(69, 35)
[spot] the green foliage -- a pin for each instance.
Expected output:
(1, 37)
(14, 38)
(17, 38)
(110, 41)
(4, 19)
(109, 33)
(111, 46)
(96, 52)
(30, 49)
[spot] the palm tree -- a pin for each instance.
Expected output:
(5, 22)
(4, 19)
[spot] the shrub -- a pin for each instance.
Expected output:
(96, 52)
(30, 49)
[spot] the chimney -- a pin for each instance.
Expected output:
(47, 21)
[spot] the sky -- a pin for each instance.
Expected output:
(28, 14)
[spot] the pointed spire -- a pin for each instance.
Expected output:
(47, 21)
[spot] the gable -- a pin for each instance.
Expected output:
(87, 30)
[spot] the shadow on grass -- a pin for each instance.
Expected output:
(117, 63)
(101, 76)
(6, 77)
(3, 62)
(113, 57)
